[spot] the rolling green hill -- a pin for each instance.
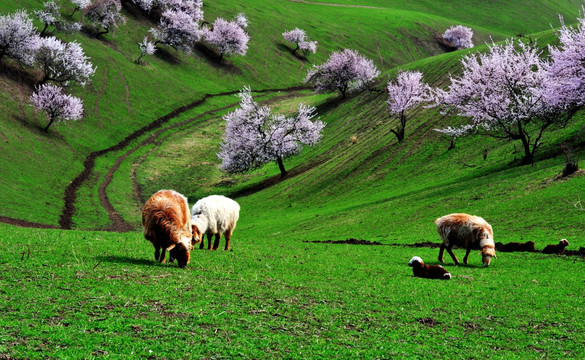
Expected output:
(89, 293)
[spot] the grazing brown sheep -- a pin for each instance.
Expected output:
(468, 231)
(419, 269)
(167, 225)
(516, 247)
(556, 249)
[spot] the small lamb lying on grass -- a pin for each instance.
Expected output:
(419, 269)
(556, 249)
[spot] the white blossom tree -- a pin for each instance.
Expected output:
(49, 15)
(345, 70)
(147, 47)
(63, 62)
(178, 29)
(503, 93)
(105, 15)
(56, 104)
(227, 37)
(299, 38)
(404, 93)
(460, 36)
(255, 136)
(79, 5)
(19, 38)
(241, 20)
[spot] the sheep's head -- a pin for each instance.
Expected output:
(197, 235)
(487, 253)
(564, 243)
(415, 261)
(181, 251)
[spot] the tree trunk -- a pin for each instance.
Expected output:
(51, 120)
(452, 145)
(281, 167)
(399, 132)
(44, 29)
(528, 154)
(220, 57)
(99, 34)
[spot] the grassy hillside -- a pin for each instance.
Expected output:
(124, 97)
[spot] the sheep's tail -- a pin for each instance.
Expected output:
(447, 276)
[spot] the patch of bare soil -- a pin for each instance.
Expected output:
(430, 322)
(24, 223)
(340, 5)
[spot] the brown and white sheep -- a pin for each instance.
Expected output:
(467, 231)
(516, 247)
(214, 215)
(419, 269)
(556, 249)
(167, 225)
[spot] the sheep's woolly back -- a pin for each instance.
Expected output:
(166, 219)
(215, 214)
(464, 229)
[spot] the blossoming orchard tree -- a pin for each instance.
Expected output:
(105, 15)
(404, 93)
(299, 38)
(503, 93)
(227, 37)
(63, 62)
(18, 37)
(346, 71)
(178, 29)
(147, 47)
(49, 15)
(79, 5)
(566, 71)
(57, 105)
(254, 136)
(460, 36)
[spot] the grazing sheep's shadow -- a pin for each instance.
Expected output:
(127, 260)
(298, 55)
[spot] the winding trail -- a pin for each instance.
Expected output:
(119, 224)
(338, 5)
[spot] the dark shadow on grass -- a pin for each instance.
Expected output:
(127, 260)
(298, 55)
(19, 74)
(213, 59)
(163, 53)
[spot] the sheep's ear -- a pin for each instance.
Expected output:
(171, 247)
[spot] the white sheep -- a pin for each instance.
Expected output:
(214, 215)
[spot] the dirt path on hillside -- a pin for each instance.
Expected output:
(339, 5)
(70, 196)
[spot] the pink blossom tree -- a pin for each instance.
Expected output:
(227, 37)
(404, 93)
(49, 15)
(255, 136)
(502, 92)
(79, 5)
(299, 38)
(566, 71)
(105, 15)
(63, 62)
(460, 36)
(178, 29)
(241, 20)
(346, 71)
(18, 37)
(56, 104)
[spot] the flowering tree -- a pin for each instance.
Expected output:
(147, 47)
(18, 37)
(460, 36)
(79, 5)
(241, 20)
(63, 62)
(566, 71)
(57, 105)
(406, 92)
(503, 93)
(228, 37)
(177, 29)
(105, 14)
(49, 15)
(299, 38)
(345, 71)
(254, 136)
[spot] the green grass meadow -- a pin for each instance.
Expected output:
(280, 292)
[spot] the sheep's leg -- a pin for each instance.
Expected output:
(441, 251)
(466, 255)
(216, 243)
(202, 243)
(451, 253)
(209, 236)
(163, 255)
(156, 253)
(228, 237)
